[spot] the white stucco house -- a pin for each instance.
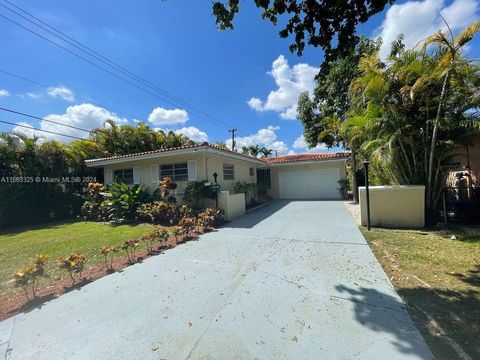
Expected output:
(299, 176)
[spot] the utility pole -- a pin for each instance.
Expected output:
(233, 138)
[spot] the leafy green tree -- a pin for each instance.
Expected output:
(323, 23)
(323, 114)
(450, 68)
(391, 120)
(127, 139)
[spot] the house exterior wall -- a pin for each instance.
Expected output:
(473, 158)
(206, 165)
(214, 164)
(275, 170)
(394, 206)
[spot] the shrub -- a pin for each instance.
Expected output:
(344, 188)
(214, 216)
(158, 212)
(195, 192)
(177, 231)
(180, 213)
(149, 239)
(162, 237)
(29, 278)
(122, 200)
(168, 186)
(130, 247)
(249, 189)
(188, 224)
(93, 207)
(74, 264)
(108, 252)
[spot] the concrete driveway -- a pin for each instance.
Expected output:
(294, 280)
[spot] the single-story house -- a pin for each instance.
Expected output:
(300, 176)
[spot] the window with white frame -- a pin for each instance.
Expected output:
(228, 172)
(123, 175)
(251, 172)
(177, 172)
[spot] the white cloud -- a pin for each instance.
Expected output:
(193, 133)
(160, 116)
(34, 96)
(61, 92)
(26, 131)
(301, 144)
(418, 19)
(290, 81)
(264, 137)
(4, 93)
(86, 116)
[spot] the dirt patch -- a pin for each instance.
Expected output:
(16, 302)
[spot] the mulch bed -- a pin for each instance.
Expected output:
(16, 302)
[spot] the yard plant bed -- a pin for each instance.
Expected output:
(16, 302)
(439, 280)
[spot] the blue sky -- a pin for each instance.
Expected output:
(245, 77)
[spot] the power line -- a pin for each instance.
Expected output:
(102, 58)
(106, 61)
(74, 95)
(46, 131)
(43, 119)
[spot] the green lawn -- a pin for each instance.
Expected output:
(19, 246)
(439, 279)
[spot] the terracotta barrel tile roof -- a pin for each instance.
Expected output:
(306, 157)
(205, 144)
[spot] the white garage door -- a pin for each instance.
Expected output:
(309, 184)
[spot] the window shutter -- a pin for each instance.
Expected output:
(155, 174)
(192, 170)
(136, 175)
(108, 176)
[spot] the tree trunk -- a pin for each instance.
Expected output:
(354, 175)
(434, 144)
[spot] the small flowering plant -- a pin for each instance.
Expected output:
(130, 247)
(162, 237)
(108, 252)
(74, 264)
(28, 278)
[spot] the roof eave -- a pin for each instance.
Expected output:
(141, 157)
(306, 162)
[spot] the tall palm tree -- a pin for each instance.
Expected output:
(265, 152)
(254, 150)
(245, 150)
(450, 63)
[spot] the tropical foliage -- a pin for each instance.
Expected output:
(256, 151)
(406, 115)
(195, 192)
(26, 164)
(74, 264)
(122, 200)
(29, 277)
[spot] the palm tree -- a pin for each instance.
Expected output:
(265, 152)
(245, 150)
(449, 65)
(254, 150)
(221, 145)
